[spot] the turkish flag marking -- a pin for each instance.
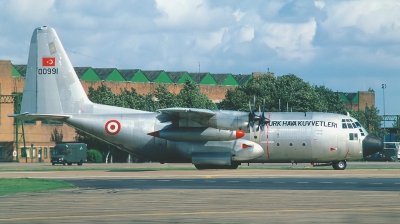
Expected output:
(49, 61)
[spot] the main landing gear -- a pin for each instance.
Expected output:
(339, 165)
(206, 167)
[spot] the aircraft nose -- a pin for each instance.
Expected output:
(371, 144)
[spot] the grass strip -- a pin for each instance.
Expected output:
(18, 185)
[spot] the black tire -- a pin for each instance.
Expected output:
(69, 164)
(217, 167)
(80, 163)
(339, 165)
(64, 163)
(52, 164)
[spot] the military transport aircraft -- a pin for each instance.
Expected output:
(205, 138)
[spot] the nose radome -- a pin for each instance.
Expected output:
(371, 144)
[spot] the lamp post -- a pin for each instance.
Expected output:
(384, 114)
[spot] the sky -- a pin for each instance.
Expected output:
(348, 46)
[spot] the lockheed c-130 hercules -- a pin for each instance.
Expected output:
(205, 138)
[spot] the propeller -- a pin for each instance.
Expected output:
(253, 117)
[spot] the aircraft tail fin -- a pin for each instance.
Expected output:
(51, 84)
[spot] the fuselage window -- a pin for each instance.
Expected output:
(290, 144)
(304, 144)
(353, 136)
(277, 144)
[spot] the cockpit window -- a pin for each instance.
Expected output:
(358, 124)
(354, 125)
(353, 136)
(349, 125)
(343, 120)
(349, 120)
(344, 126)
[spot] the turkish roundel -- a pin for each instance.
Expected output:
(49, 61)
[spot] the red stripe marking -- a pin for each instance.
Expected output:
(348, 150)
(267, 135)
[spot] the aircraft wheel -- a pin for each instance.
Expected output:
(339, 165)
(205, 167)
(201, 167)
(234, 166)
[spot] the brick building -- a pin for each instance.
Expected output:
(359, 100)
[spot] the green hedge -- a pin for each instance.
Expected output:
(94, 156)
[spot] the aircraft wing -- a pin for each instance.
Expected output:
(53, 117)
(188, 113)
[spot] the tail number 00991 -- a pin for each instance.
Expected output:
(44, 71)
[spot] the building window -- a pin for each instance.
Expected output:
(40, 152)
(45, 152)
(25, 152)
(2, 152)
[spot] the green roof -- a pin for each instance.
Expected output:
(127, 74)
(355, 99)
(343, 97)
(158, 76)
(242, 79)
(103, 73)
(203, 78)
(139, 77)
(89, 75)
(80, 71)
(115, 76)
(179, 77)
(18, 71)
(225, 79)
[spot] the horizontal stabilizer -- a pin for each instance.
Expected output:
(52, 117)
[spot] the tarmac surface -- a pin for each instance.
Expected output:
(145, 195)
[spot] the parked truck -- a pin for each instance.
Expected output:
(69, 153)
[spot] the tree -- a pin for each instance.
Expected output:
(262, 88)
(396, 125)
(330, 101)
(103, 95)
(56, 136)
(369, 119)
(190, 96)
(298, 95)
(165, 98)
(131, 99)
